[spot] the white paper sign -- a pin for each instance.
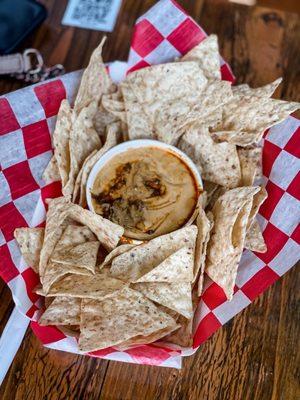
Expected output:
(92, 14)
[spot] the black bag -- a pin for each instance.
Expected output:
(18, 18)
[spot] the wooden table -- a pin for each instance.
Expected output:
(255, 355)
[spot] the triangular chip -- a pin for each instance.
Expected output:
(55, 225)
(206, 54)
(247, 115)
(74, 235)
(113, 132)
(135, 263)
(107, 232)
(218, 162)
(83, 140)
(250, 161)
(51, 173)
(95, 81)
(182, 336)
(61, 138)
(123, 248)
(83, 255)
(254, 239)
(178, 267)
(176, 296)
(56, 271)
(62, 311)
(98, 286)
(141, 339)
(231, 213)
(119, 318)
(258, 200)
(204, 224)
(30, 241)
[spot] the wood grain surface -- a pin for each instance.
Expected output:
(255, 355)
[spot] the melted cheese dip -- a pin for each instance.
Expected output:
(149, 191)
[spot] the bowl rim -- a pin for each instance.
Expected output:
(135, 144)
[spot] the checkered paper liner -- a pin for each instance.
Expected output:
(27, 119)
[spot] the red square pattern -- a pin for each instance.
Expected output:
(50, 96)
(51, 191)
(10, 219)
(20, 179)
(37, 138)
(296, 234)
(259, 282)
(31, 311)
(46, 334)
(206, 328)
(145, 38)
(294, 187)
(213, 296)
(31, 280)
(269, 155)
(141, 64)
(227, 74)
(8, 271)
(186, 36)
(293, 145)
(275, 240)
(8, 121)
(148, 355)
(274, 195)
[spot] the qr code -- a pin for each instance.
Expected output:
(92, 10)
(92, 14)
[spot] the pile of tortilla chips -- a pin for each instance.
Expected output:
(111, 294)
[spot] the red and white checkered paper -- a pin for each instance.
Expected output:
(27, 119)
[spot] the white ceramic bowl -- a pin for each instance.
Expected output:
(141, 143)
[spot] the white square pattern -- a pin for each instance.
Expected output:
(281, 216)
(280, 134)
(27, 205)
(286, 259)
(5, 195)
(229, 309)
(249, 266)
(12, 149)
(37, 166)
(164, 52)
(165, 16)
(285, 168)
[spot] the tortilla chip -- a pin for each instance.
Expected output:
(83, 255)
(56, 271)
(107, 232)
(176, 296)
(135, 263)
(112, 138)
(206, 54)
(182, 336)
(250, 161)
(114, 104)
(139, 126)
(74, 235)
(98, 286)
(258, 199)
(30, 241)
(95, 81)
(178, 267)
(78, 180)
(119, 318)
(55, 225)
(83, 140)
(246, 116)
(217, 162)
(123, 248)
(231, 213)
(254, 239)
(51, 173)
(62, 311)
(141, 339)
(61, 137)
(263, 91)
(204, 224)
